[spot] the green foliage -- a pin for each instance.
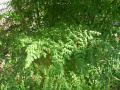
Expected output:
(60, 45)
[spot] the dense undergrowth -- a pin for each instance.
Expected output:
(61, 50)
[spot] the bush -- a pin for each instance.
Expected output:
(48, 50)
